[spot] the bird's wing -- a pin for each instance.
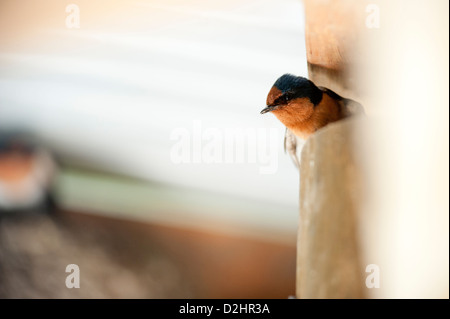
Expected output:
(349, 106)
(293, 145)
(331, 93)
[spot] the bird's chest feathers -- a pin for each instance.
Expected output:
(297, 119)
(303, 119)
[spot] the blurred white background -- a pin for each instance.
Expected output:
(108, 96)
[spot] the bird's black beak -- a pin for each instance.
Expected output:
(267, 109)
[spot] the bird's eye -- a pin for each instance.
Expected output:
(283, 99)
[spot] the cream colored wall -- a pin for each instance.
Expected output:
(405, 222)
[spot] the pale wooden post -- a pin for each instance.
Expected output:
(328, 262)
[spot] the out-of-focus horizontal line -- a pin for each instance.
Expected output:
(228, 17)
(237, 56)
(160, 204)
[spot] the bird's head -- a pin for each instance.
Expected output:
(292, 99)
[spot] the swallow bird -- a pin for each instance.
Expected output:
(304, 108)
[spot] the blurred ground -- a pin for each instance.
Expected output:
(123, 259)
(35, 250)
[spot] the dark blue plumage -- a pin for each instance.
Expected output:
(297, 87)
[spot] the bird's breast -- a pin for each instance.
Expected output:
(303, 119)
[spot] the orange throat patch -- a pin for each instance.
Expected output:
(296, 116)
